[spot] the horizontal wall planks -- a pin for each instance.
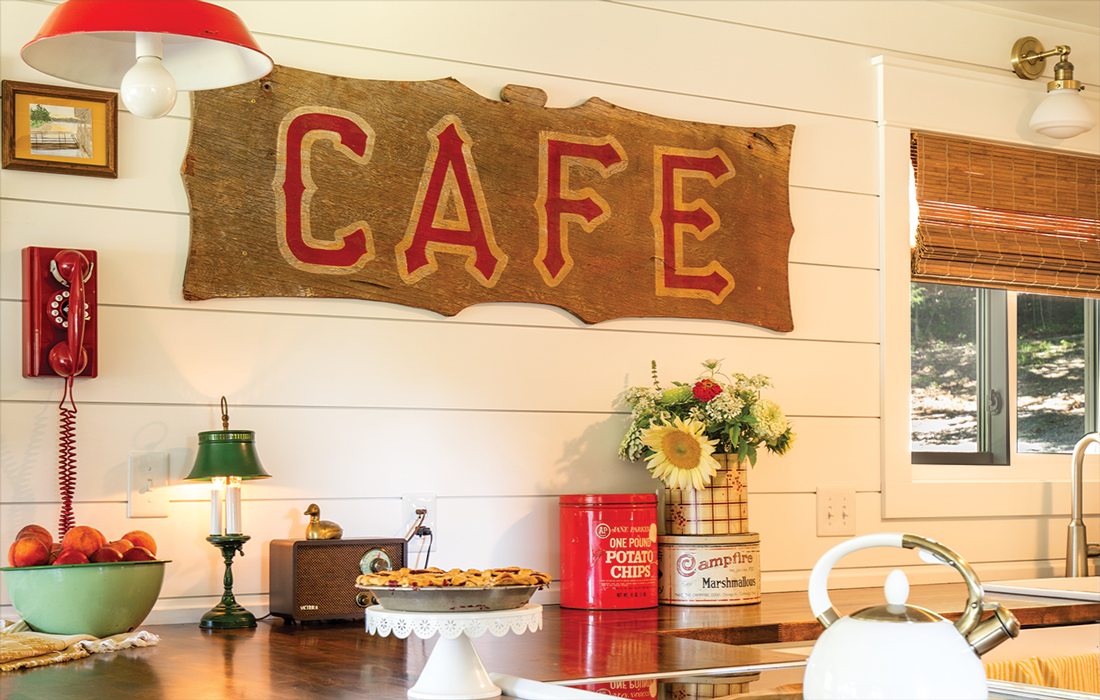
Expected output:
(532, 40)
(972, 33)
(175, 356)
(372, 451)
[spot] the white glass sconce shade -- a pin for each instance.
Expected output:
(1062, 114)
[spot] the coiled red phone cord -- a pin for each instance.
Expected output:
(66, 456)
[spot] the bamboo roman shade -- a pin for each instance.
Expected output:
(991, 215)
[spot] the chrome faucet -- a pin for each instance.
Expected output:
(1077, 550)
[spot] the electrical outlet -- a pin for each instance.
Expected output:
(410, 502)
(836, 512)
(148, 485)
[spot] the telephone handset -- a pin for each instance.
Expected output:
(59, 338)
(69, 267)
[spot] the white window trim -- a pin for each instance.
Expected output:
(981, 103)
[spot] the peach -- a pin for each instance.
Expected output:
(70, 556)
(83, 539)
(140, 538)
(122, 546)
(28, 551)
(138, 554)
(55, 549)
(38, 531)
(104, 555)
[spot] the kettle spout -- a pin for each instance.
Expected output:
(989, 633)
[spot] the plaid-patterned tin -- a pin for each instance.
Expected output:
(720, 509)
(704, 688)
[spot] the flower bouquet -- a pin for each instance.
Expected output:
(679, 429)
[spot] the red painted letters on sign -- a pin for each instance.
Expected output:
(352, 246)
(558, 206)
(671, 220)
(450, 178)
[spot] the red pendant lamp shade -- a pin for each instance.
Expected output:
(93, 42)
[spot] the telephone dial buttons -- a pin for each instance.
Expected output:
(59, 309)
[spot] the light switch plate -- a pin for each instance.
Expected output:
(148, 485)
(836, 512)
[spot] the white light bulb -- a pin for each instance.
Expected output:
(1062, 114)
(148, 89)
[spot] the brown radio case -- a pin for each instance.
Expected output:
(313, 580)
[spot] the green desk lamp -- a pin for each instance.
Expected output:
(225, 457)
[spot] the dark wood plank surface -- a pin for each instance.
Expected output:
(277, 661)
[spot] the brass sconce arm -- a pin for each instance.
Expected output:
(1029, 60)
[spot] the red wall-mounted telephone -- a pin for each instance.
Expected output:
(56, 282)
(59, 339)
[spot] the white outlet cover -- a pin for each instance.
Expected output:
(148, 485)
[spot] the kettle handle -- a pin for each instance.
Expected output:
(823, 608)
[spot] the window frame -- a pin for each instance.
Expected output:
(1032, 484)
(993, 344)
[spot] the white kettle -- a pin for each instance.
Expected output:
(899, 651)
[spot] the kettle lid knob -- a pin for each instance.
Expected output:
(896, 589)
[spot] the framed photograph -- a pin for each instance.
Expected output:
(54, 129)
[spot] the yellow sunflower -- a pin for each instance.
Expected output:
(682, 455)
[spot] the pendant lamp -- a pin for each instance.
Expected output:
(148, 49)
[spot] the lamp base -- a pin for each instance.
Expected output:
(228, 614)
(227, 617)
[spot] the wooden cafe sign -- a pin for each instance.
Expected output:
(427, 194)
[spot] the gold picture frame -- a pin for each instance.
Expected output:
(55, 129)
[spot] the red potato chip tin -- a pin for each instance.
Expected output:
(608, 551)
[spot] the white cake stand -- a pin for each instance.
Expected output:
(453, 670)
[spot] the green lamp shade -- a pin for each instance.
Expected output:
(227, 453)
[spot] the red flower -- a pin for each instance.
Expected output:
(706, 389)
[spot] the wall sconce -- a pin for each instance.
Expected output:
(147, 48)
(1064, 113)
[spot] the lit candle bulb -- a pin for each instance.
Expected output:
(233, 506)
(217, 488)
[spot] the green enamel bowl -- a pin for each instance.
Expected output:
(95, 599)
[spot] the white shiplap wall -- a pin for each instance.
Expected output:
(503, 407)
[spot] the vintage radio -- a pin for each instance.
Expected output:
(315, 579)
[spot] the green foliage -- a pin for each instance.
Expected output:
(1039, 316)
(941, 313)
(39, 116)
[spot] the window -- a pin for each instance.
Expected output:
(964, 402)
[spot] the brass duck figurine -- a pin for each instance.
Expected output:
(321, 529)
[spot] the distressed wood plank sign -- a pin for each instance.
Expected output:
(428, 195)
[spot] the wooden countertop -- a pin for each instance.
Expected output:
(277, 661)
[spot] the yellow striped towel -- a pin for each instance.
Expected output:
(1079, 672)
